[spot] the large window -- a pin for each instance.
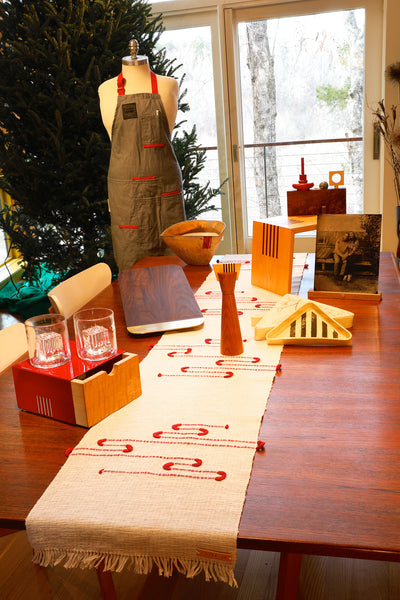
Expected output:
(302, 83)
(4, 246)
(9, 258)
(192, 49)
(280, 82)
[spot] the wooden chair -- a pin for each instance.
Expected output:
(13, 344)
(70, 295)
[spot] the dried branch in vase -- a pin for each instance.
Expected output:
(389, 128)
(392, 72)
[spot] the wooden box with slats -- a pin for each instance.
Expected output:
(272, 254)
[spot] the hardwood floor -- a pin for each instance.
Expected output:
(322, 578)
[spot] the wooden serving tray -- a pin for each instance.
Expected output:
(158, 299)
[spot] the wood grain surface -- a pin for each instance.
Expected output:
(231, 337)
(328, 481)
(316, 202)
(158, 298)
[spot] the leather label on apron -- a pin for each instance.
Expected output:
(129, 111)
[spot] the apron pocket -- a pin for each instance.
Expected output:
(125, 196)
(135, 217)
(172, 208)
(152, 131)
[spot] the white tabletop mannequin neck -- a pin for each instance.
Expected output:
(137, 78)
(138, 81)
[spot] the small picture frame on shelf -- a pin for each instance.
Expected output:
(347, 256)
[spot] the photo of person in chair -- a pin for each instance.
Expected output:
(345, 252)
(353, 253)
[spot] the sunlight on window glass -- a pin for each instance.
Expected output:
(3, 248)
(192, 50)
(3, 239)
(310, 87)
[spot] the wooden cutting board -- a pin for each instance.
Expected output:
(158, 299)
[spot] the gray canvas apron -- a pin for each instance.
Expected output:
(144, 178)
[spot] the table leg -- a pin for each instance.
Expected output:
(289, 576)
(106, 583)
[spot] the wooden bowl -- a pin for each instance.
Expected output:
(195, 242)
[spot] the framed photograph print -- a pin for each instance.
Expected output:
(347, 255)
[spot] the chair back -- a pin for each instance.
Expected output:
(70, 295)
(13, 344)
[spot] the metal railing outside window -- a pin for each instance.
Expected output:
(320, 157)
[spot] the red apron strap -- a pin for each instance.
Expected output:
(154, 85)
(121, 85)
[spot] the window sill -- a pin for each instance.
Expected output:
(13, 268)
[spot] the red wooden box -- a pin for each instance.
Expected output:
(48, 392)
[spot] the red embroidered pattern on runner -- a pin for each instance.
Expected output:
(209, 371)
(175, 466)
(214, 312)
(207, 341)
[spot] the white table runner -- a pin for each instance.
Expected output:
(163, 480)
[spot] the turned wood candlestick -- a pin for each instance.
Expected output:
(303, 183)
(231, 336)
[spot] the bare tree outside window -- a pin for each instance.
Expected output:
(301, 82)
(260, 62)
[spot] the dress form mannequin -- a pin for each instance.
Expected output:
(145, 189)
(136, 72)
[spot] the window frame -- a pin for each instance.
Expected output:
(372, 88)
(224, 17)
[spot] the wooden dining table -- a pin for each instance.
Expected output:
(328, 482)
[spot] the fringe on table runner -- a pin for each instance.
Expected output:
(141, 565)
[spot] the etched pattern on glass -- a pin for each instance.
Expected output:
(49, 347)
(96, 340)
